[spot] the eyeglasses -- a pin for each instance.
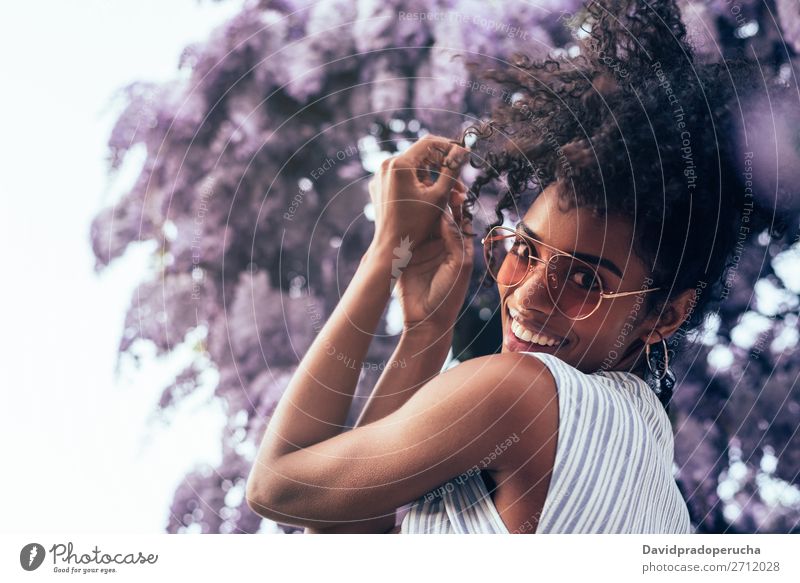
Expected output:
(574, 286)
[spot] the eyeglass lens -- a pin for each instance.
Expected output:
(573, 284)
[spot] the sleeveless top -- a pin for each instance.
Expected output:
(612, 470)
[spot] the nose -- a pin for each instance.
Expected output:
(532, 293)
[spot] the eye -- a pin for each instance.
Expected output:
(585, 279)
(520, 248)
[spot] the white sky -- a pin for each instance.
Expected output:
(77, 452)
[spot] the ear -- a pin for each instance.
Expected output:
(670, 318)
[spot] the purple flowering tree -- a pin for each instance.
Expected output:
(253, 195)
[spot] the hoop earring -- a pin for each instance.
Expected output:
(659, 376)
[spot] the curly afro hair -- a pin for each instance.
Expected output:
(631, 125)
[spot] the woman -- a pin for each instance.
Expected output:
(637, 203)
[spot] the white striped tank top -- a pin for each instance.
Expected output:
(612, 471)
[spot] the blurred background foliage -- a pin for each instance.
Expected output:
(251, 191)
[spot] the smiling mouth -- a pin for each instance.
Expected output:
(523, 334)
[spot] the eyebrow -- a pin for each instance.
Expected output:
(602, 261)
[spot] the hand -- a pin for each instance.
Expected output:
(432, 286)
(408, 203)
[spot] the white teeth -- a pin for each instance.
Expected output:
(528, 336)
(520, 332)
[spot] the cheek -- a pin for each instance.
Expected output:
(604, 325)
(615, 323)
(613, 311)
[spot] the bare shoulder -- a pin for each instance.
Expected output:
(511, 375)
(523, 393)
(514, 364)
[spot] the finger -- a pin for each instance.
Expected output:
(427, 168)
(460, 187)
(430, 150)
(449, 172)
(454, 237)
(422, 148)
(450, 233)
(453, 231)
(466, 228)
(457, 199)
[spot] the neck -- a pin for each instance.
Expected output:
(633, 360)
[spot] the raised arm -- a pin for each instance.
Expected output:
(317, 400)
(431, 287)
(418, 357)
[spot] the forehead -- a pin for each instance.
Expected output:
(578, 229)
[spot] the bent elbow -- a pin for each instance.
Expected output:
(261, 497)
(279, 494)
(271, 498)
(253, 496)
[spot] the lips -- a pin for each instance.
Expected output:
(529, 335)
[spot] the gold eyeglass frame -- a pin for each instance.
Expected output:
(558, 252)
